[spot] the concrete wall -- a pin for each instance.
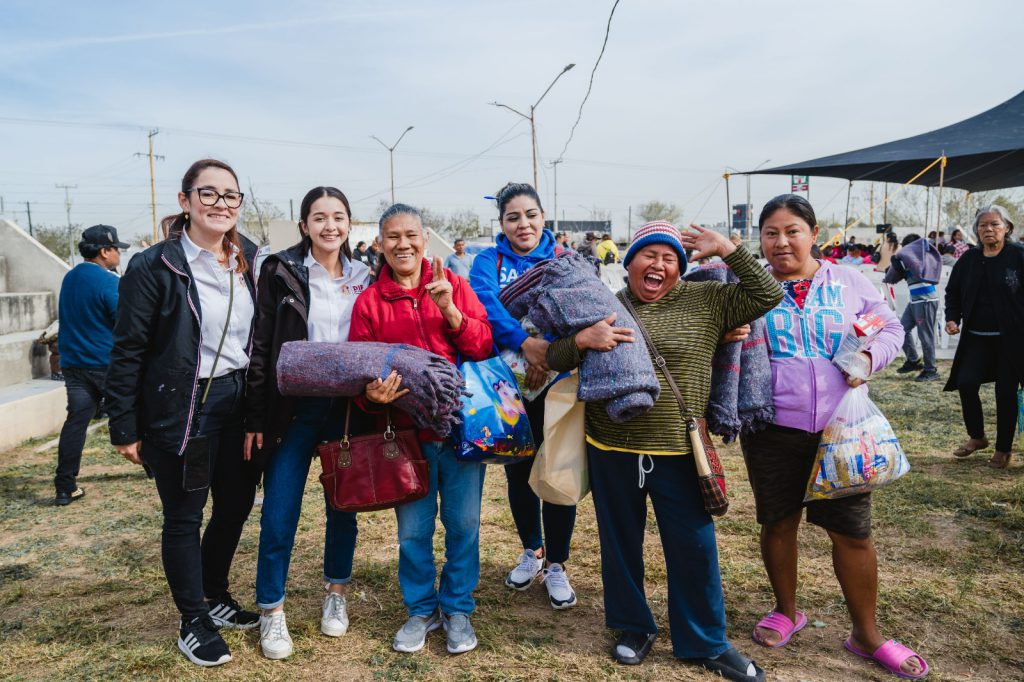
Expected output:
(30, 265)
(36, 408)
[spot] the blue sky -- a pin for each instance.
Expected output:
(684, 90)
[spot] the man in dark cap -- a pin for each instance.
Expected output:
(88, 304)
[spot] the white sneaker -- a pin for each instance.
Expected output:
(275, 641)
(560, 592)
(334, 616)
(521, 577)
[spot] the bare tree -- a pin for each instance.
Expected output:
(255, 219)
(464, 224)
(657, 210)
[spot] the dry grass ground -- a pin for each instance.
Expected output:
(82, 593)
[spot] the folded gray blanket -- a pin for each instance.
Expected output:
(306, 368)
(565, 295)
(741, 373)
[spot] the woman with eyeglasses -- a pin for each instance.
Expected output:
(174, 388)
(985, 298)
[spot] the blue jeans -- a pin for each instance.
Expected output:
(85, 395)
(460, 485)
(284, 483)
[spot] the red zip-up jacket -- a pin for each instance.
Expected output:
(388, 313)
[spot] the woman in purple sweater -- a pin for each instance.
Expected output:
(802, 334)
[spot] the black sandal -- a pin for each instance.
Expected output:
(732, 665)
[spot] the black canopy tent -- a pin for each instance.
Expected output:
(983, 152)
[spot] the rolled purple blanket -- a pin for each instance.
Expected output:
(735, 366)
(306, 368)
(565, 295)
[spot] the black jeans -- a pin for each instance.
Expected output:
(198, 569)
(527, 509)
(984, 357)
(85, 394)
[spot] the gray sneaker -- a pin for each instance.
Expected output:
(461, 637)
(413, 634)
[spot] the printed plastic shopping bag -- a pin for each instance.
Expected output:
(517, 363)
(559, 474)
(858, 451)
(494, 426)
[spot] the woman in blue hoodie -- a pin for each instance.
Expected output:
(522, 244)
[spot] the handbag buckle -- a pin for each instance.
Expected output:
(345, 454)
(389, 433)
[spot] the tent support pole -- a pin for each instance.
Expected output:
(942, 178)
(885, 206)
(927, 208)
(848, 188)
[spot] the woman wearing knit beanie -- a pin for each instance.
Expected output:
(651, 456)
(545, 529)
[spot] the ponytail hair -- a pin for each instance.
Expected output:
(173, 225)
(513, 190)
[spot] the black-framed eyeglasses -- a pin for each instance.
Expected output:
(209, 197)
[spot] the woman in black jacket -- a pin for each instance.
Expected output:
(305, 292)
(984, 295)
(174, 394)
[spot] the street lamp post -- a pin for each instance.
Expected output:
(391, 158)
(530, 118)
(748, 196)
(554, 165)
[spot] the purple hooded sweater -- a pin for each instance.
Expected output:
(806, 386)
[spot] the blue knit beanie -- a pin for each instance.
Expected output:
(656, 232)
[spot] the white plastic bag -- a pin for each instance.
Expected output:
(859, 451)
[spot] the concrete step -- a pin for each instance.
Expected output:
(22, 312)
(22, 359)
(31, 409)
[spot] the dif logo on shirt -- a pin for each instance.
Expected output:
(814, 332)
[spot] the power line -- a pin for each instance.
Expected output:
(590, 85)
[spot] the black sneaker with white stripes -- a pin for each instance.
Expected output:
(227, 613)
(199, 640)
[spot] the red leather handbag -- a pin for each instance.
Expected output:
(375, 471)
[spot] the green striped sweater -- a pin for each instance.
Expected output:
(685, 325)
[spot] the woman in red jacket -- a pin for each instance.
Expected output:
(422, 304)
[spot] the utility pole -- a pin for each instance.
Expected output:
(152, 181)
(728, 205)
(531, 119)
(554, 165)
(291, 209)
(67, 207)
(28, 209)
(391, 157)
(629, 225)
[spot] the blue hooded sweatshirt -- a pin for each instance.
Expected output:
(488, 278)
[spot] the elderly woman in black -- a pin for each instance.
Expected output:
(174, 394)
(984, 295)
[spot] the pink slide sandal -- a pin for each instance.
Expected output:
(891, 656)
(781, 624)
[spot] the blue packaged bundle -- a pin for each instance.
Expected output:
(495, 428)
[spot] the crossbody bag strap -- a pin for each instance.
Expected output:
(658, 359)
(223, 335)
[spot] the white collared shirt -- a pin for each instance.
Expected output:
(213, 283)
(331, 299)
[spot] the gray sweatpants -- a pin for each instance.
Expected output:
(920, 315)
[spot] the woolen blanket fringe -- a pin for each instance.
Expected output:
(563, 296)
(436, 387)
(738, 364)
